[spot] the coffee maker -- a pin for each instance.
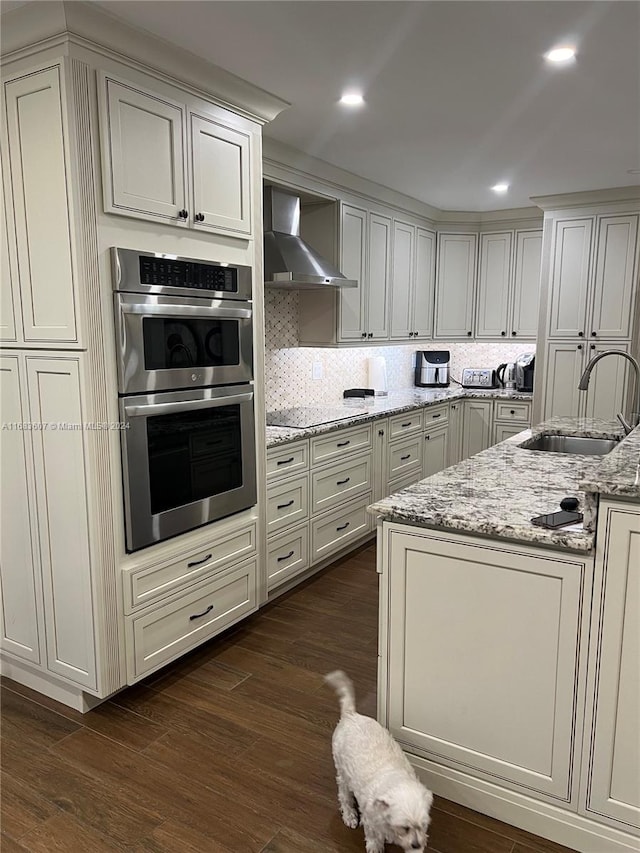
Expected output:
(525, 366)
(432, 368)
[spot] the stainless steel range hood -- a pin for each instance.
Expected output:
(289, 262)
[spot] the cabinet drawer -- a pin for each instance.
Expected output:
(143, 586)
(334, 446)
(169, 631)
(403, 482)
(287, 556)
(287, 503)
(436, 415)
(404, 457)
(513, 412)
(405, 424)
(336, 483)
(290, 459)
(335, 530)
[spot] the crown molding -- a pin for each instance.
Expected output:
(587, 198)
(40, 23)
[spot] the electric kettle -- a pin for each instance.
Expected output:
(506, 375)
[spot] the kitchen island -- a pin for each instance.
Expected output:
(509, 664)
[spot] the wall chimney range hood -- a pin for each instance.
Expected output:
(289, 262)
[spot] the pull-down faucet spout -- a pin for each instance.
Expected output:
(634, 417)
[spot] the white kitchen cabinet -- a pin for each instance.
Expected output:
(39, 206)
(287, 556)
(9, 291)
(456, 415)
(165, 161)
(570, 277)
(565, 364)
(435, 455)
(526, 285)
(611, 772)
(494, 285)
(413, 282)
(476, 426)
(378, 277)
(615, 282)
(424, 284)
(455, 286)
(502, 431)
(503, 704)
(353, 264)
(21, 627)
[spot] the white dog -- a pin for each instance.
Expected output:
(374, 777)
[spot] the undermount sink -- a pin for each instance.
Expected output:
(571, 444)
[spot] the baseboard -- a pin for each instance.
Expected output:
(541, 818)
(48, 685)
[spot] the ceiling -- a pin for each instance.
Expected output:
(458, 95)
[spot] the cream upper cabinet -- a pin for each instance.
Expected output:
(492, 317)
(615, 283)
(166, 161)
(402, 281)
(9, 295)
(379, 276)
(526, 285)
(570, 278)
(39, 204)
(455, 279)
(612, 771)
(20, 623)
(353, 259)
(424, 283)
(221, 176)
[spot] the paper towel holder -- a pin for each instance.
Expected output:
(377, 375)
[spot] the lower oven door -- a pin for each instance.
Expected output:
(188, 458)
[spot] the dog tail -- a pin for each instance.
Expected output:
(343, 686)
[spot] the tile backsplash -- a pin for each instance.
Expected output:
(288, 368)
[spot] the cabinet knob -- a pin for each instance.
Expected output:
(364, 334)
(199, 217)
(579, 346)
(581, 334)
(593, 346)
(503, 334)
(182, 214)
(415, 334)
(380, 432)
(370, 335)
(512, 411)
(427, 437)
(468, 334)
(593, 334)
(513, 334)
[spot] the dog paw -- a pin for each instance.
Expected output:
(350, 818)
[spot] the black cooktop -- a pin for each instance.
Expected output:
(302, 417)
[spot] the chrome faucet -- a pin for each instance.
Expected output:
(635, 403)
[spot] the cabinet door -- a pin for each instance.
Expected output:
(605, 396)
(615, 282)
(456, 272)
(60, 471)
(476, 427)
(353, 253)
(526, 285)
(143, 153)
(456, 414)
(379, 276)
(221, 176)
(9, 305)
(570, 278)
(41, 206)
(503, 431)
(425, 282)
(402, 281)
(18, 551)
(613, 786)
(436, 450)
(563, 371)
(492, 316)
(502, 703)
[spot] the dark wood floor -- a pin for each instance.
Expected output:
(226, 751)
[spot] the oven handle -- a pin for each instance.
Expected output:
(183, 405)
(186, 311)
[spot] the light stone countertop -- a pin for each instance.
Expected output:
(395, 403)
(496, 492)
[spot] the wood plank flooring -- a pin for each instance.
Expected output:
(226, 751)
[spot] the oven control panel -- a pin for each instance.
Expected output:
(478, 377)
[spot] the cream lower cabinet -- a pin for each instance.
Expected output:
(435, 448)
(456, 415)
(509, 418)
(611, 772)
(476, 426)
(483, 658)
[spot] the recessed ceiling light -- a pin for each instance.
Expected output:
(500, 188)
(352, 99)
(560, 54)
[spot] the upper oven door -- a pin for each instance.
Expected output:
(166, 343)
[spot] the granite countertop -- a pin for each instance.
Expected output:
(395, 403)
(496, 492)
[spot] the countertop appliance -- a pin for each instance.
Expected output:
(432, 368)
(524, 368)
(506, 375)
(185, 380)
(289, 262)
(479, 377)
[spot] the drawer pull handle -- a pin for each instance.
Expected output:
(286, 556)
(408, 456)
(342, 482)
(437, 416)
(199, 562)
(408, 424)
(285, 461)
(343, 443)
(513, 411)
(200, 615)
(343, 526)
(284, 506)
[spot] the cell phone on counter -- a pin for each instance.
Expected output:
(557, 519)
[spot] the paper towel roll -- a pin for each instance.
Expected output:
(377, 375)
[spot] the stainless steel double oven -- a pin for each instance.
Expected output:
(185, 381)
